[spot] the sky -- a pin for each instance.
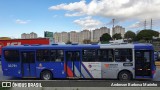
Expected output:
(26, 16)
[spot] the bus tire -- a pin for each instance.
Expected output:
(46, 75)
(124, 75)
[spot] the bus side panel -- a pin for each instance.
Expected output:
(109, 70)
(91, 69)
(57, 69)
(11, 69)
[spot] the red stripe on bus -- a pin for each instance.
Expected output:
(69, 71)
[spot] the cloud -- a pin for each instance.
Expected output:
(73, 14)
(88, 23)
(121, 9)
(19, 21)
(76, 6)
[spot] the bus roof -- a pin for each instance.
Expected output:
(80, 46)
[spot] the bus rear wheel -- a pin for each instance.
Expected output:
(124, 75)
(46, 75)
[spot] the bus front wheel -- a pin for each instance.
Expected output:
(124, 75)
(46, 75)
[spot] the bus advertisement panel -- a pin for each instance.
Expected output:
(43, 41)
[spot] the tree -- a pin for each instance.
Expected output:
(69, 42)
(105, 37)
(146, 35)
(130, 35)
(117, 36)
(86, 41)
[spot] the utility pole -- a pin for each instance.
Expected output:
(151, 24)
(113, 26)
(113, 22)
(145, 24)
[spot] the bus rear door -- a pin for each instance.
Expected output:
(28, 63)
(72, 65)
(143, 64)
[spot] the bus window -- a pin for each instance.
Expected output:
(43, 55)
(89, 55)
(69, 56)
(73, 56)
(147, 56)
(53, 55)
(105, 55)
(60, 56)
(77, 56)
(28, 57)
(11, 55)
(123, 55)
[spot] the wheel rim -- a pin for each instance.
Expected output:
(124, 76)
(46, 76)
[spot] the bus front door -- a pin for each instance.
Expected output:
(143, 64)
(28, 63)
(72, 64)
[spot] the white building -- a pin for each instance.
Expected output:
(57, 37)
(97, 33)
(74, 37)
(65, 37)
(84, 35)
(119, 30)
(28, 36)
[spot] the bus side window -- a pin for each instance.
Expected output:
(56, 55)
(43, 55)
(69, 56)
(105, 55)
(123, 55)
(77, 56)
(53, 55)
(60, 56)
(90, 55)
(11, 55)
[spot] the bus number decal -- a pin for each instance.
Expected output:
(12, 65)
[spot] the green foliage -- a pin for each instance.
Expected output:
(117, 36)
(86, 41)
(130, 34)
(105, 38)
(146, 35)
(69, 42)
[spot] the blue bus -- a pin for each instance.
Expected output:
(86, 61)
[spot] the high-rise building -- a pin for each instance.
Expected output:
(84, 35)
(97, 33)
(74, 37)
(119, 30)
(33, 35)
(28, 36)
(57, 37)
(65, 37)
(79, 37)
(23, 35)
